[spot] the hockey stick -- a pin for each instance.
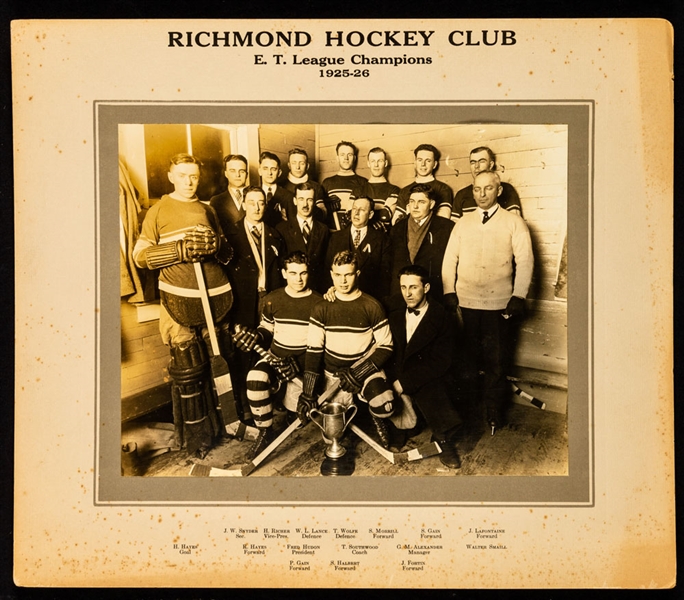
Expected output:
(219, 371)
(205, 471)
(531, 399)
(398, 458)
(424, 451)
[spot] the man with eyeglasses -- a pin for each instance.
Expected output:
(482, 159)
(419, 239)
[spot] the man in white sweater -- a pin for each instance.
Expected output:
(487, 271)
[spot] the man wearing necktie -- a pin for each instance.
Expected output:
(304, 234)
(228, 205)
(277, 197)
(419, 239)
(253, 272)
(371, 247)
(487, 271)
(421, 365)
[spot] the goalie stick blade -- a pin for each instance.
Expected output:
(198, 470)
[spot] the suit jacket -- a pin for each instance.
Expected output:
(225, 208)
(423, 365)
(430, 254)
(319, 194)
(315, 249)
(374, 259)
(282, 198)
(244, 273)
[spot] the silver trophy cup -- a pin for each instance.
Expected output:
(332, 419)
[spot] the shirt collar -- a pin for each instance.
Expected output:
(490, 211)
(302, 220)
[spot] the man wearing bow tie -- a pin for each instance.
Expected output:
(371, 247)
(422, 361)
(487, 271)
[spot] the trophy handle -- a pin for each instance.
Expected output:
(346, 412)
(312, 417)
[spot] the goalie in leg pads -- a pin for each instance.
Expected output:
(284, 330)
(340, 333)
(178, 231)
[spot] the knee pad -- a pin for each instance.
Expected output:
(379, 395)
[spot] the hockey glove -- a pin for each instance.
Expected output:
(307, 398)
(352, 378)
(199, 243)
(287, 368)
(334, 203)
(245, 338)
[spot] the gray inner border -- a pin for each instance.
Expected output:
(575, 489)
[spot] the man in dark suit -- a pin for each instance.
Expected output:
(302, 232)
(228, 205)
(298, 172)
(421, 365)
(419, 239)
(253, 272)
(277, 197)
(371, 247)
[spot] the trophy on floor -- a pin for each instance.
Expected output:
(332, 418)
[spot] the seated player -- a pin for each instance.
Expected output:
(352, 328)
(283, 330)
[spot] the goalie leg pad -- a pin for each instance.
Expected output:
(192, 403)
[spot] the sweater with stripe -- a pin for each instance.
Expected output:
(343, 331)
(168, 221)
(285, 321)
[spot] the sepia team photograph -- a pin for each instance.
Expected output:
(307, 300)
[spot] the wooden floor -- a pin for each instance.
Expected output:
(533, 442)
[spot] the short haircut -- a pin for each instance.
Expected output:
(486, 149)
(183, 158)
(307, 185)
(297, 151)
(371, 202)
(416, 270)
(270, 156)
(346, 257)
(297, 257)
(252, 188)
(496, 176)
(377, 150)
(344, 143)
(227, 159)
(425, 188)
(429, 148)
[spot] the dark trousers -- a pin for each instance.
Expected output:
(487, 351)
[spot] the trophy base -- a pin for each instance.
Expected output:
(336, 467)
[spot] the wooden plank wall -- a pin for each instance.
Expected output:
(533, 158)
(144, 358)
